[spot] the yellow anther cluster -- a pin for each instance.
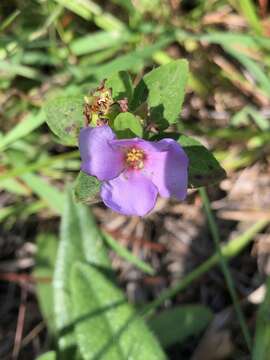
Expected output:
(134, 158)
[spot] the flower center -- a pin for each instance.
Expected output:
(135, 158)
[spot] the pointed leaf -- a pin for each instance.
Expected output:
(80, 240)
(121, 85)
(163, 89)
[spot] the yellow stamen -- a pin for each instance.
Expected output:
(135, 158)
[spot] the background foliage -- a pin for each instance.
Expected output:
(166, 264)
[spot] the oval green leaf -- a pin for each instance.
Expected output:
(64, 116)
(87, 188)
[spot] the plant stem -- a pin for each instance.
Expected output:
(224, 266)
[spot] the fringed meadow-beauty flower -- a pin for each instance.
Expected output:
(133, 171)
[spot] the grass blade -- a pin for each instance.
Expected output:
(261, 349)
(51, 195)
(127, 255)
(224, 266)
(22, 129)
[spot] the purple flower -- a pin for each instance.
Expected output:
(133, 171)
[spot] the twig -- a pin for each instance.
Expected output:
(22, 279)
(20, 325)
(155, 247)
(33, 333)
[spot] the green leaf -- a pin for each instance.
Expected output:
(87, 188)
(106, 325)
(121, 85)
(163, 89)
(50, 355)
(177, 324)
(127, 125)
(64, 116)
(127, 255)
(45, 260)
(261, 347)
(203, 168)
(80, 240)
(22, 129)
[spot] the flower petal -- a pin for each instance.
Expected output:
(98, 157)
(168, 169)
(131, 193)
(147, 146)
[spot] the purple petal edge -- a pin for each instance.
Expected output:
(98, 157)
